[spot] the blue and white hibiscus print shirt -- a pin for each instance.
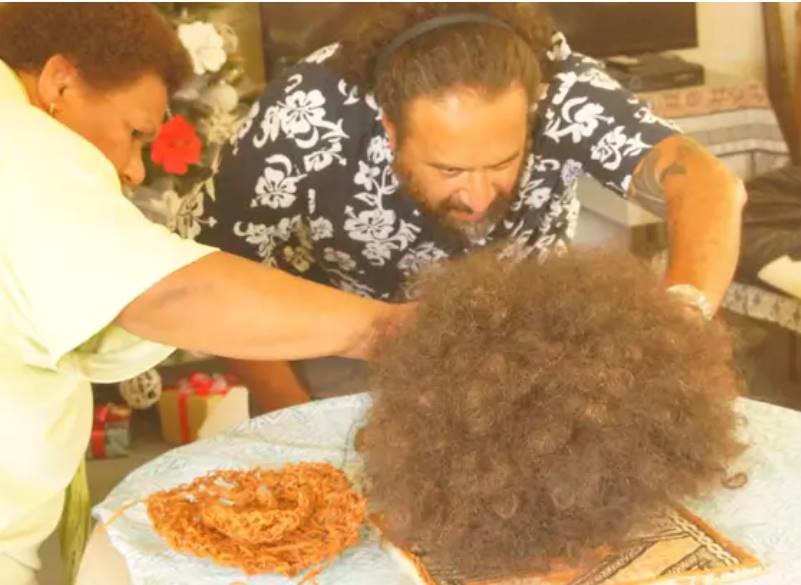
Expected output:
(307, 184)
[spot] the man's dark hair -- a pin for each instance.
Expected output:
(483, 57)
(111, 44)
(538, 411)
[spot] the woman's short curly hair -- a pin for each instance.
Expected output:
(537, 411)
(111, 44)
(485, 57)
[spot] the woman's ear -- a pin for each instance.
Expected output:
(58, 75)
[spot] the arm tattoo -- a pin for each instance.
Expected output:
(647, 188)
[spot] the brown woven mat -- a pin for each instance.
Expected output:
(674, 548)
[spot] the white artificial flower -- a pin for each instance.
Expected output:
(192, 90)
(219, 126)
(230, 38)
(159, 206)
(221, 96)
(205, 46)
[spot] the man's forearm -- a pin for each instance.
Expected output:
(273, 384)
(231, 307)
(702, 202)
(705, 240)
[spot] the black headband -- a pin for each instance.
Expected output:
(426, 26)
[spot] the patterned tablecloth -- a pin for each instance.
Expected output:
(764, 304)
(764, 517)
(753, 301)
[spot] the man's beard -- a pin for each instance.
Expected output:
(476, 230)
(471, 231)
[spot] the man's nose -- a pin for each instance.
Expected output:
(478, 195)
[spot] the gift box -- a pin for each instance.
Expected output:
(184, 407)
(111, 432)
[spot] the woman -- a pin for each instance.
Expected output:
(89, 289)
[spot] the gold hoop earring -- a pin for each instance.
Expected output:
(51, 109)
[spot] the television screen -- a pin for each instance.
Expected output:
(291, 30)
(601, 29)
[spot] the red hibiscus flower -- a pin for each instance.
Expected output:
(176, 146)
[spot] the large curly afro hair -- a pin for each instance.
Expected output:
(538, 411)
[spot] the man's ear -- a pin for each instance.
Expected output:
(58, 75)
(392, 131)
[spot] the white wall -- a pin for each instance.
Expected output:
(730, 39)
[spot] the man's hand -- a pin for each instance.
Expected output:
(273, 384)
(697, 307)
(702, 201)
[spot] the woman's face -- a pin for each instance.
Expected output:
(119, 122)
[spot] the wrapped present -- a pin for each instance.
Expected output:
(111, 432)
(184, 407)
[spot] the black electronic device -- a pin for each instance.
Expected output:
(602, 29)
(654, 72)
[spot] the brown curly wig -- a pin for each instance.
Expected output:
(479, 56)
(537, 411)
(111, 44)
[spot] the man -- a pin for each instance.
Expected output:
(432, 130)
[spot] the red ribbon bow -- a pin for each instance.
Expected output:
(103, 415)
(199, 384)
(98, 440)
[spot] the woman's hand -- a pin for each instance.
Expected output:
(389, 321)
(231, 307)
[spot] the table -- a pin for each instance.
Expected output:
(764, 517)
(765, 305)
